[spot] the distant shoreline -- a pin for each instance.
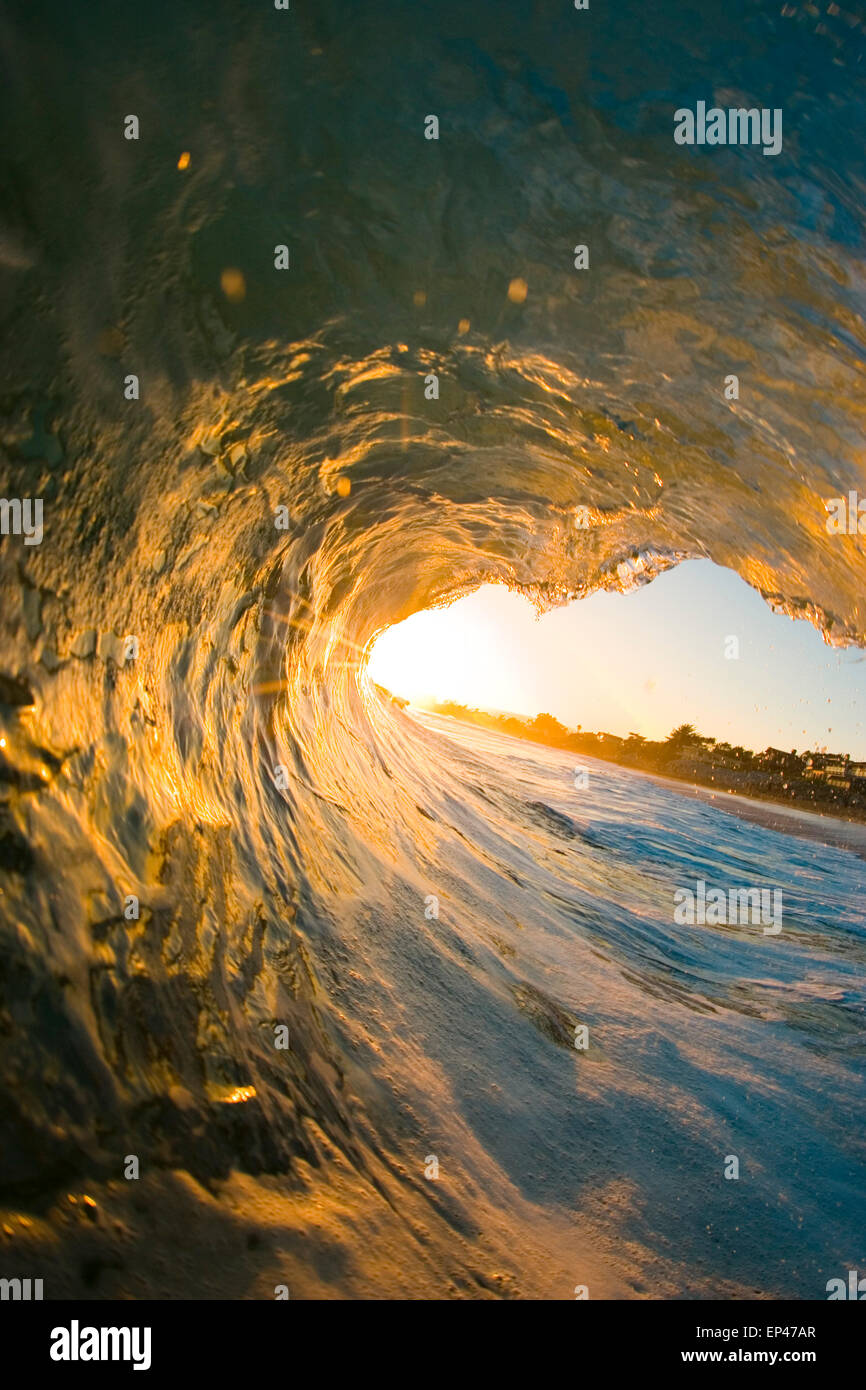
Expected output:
(824, 826)
(828, 829)
(852, 815)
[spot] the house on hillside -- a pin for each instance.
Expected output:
(824, 762)
(777, 760)
(829, 768)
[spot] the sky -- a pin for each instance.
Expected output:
(640, 662)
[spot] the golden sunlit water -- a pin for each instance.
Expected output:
(233, 830)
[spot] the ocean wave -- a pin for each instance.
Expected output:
(281, 825)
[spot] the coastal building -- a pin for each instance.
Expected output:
(777, 760)
(828, 763)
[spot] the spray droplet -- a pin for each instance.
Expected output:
(234, 286)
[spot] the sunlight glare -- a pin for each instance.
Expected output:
(618, 663)
(461, 652)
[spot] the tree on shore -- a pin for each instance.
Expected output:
(547, 727)
(682, 736)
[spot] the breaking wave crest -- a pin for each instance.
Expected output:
(279, 822)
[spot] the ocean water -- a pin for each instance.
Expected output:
(704, 1041)
(281, 826)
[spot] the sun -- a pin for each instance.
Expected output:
(460, 652)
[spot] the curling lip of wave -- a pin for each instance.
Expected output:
(303, 902)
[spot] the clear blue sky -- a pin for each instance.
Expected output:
(643, 661)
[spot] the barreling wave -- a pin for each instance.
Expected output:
(280, 824)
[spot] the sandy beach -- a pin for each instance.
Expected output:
(790, 820)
